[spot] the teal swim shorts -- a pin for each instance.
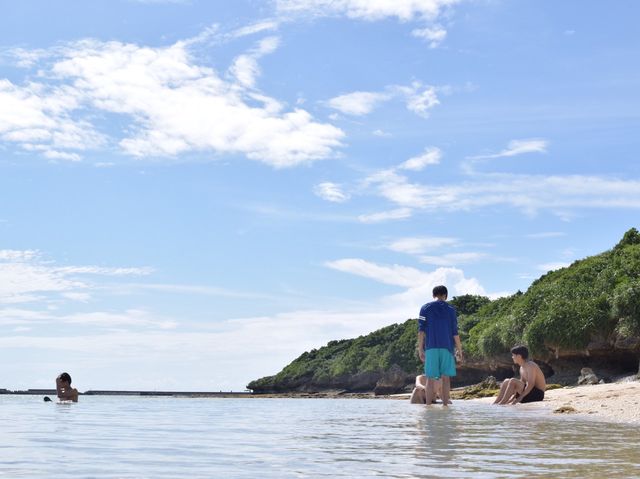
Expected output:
(439, 362)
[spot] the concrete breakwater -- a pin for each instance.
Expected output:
(189, 394)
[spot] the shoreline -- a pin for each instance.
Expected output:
(611, 402)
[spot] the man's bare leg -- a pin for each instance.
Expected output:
(508, 392)
(446, 388)
(430, 394)
(503, 388)
(515, 386)
(518, 389)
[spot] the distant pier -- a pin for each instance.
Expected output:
(187, 394)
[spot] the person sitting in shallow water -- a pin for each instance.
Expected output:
(531, 385)
(64, 389)
(419, 394)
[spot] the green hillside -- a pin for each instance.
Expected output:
(564, 310)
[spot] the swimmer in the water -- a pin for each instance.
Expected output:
(64, 389)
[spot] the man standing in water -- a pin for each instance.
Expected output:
(531, 385)
(437, 336)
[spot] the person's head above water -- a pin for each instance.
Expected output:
(64, 389)
(440, 292)
(65, 378)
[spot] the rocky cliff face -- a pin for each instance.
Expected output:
(607, 358)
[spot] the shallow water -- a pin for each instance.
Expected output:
(131, 437)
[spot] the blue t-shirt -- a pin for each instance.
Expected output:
(439, 322)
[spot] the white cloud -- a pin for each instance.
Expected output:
(528, 193)
(452, 259)
(61, 155)
(128, 288)
(128, 318)
(172, 104)
(331, 192)
(546, 234)
(552, 266)
(395, 275)
(419, 283)
(430, 156)
(357, 103)
(21, 281)
(25, 58)
(154, 2)
(37, 118)
(258, 27)
(381, 133)
(559, 194)
(420, 245)
(397, 189)
(182, 107)
(419, 99)
(17, 255)
(245, 67)
(25, 276)
(434, 35)
(100, 270)
(77, 296)
(517, 147)
(382, 216)
(404, 10)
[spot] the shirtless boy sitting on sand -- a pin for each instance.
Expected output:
(64, 389)
(531, 385)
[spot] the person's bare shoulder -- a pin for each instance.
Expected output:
(528, 371)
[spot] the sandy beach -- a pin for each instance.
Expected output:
(614, 402)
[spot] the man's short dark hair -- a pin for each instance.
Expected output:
(440, 291)
(65, 377)
(520, 350)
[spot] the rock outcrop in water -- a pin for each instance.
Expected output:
(585, 315)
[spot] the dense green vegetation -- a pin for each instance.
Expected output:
(563, 310)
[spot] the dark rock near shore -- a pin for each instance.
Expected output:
(486, 388)
(393, 381)
(587, 377)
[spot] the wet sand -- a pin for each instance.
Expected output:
(615, 402)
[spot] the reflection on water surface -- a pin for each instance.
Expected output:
(108, 437)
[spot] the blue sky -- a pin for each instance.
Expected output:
(194, 193)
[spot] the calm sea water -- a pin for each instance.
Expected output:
(119, 437)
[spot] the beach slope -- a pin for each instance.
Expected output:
(615, 402)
